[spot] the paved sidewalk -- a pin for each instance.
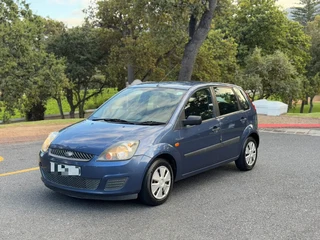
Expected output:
(298, 131)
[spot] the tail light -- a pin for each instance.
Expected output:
(254, 107)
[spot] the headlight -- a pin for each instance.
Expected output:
(48, 141)
(120, 151)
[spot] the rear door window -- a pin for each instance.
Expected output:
(227, 100)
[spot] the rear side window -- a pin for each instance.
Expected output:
(242, 99)
(200, 104)
(227, 100)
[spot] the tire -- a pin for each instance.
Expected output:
(248, 156)
(157, 183)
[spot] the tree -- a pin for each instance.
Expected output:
(150, 37)
(281, 79)
(199, 26)
(309, 10)
(313, 30)
(25, 66)
(53, 30)
(81, 48)
(262, 24)
(314, 89)
(312, 77)
(250, 78)
(141, 35)
(271, 75)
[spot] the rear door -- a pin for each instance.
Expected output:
(233, 120)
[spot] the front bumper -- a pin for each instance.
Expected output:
(118, 180)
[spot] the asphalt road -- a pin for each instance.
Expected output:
(279, 199)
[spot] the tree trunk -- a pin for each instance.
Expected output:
(72, 112)
(306, 102)
(130, 73)
(36, 113)
(302, 106)
(311, 104)
(199, 35)
(253, 95)
(81, 109)
(290, 103)
(59, 102)
(69, 96)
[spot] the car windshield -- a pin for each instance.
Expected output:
(145, 106)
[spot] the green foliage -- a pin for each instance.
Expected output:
(216, 61)
(259, 24)
(150, 37)
(27, 71)
(314, 85)
(81, 47)
(262, 24)
(270, 75)
(313, 30)
(141, 35)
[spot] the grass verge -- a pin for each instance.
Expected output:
(296, 109)
(42, 123)
(304, 115)
(52, 106)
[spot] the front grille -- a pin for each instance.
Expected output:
(115, 184)
(72, 181)
(71, 155)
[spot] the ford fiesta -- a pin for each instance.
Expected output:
(148, 136)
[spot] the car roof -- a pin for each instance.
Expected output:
(181, 85)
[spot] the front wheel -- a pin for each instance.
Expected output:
(248, 156)
(157, 183)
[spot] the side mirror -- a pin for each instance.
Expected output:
(192, 121)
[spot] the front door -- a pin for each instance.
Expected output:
(199, 144)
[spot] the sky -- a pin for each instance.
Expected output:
(70, 11)
(67, 11)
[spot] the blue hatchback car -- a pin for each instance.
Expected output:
(148, 136)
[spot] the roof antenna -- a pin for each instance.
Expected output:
(169, 72)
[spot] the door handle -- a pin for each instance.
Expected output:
(243, 120)
(215, 129)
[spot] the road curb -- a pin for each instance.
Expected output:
(294, 125)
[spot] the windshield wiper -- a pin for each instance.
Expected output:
(150, 123)
(115, 120)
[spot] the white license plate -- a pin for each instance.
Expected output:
(65, 170)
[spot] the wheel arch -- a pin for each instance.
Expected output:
(168, 153)
(170, 159)
(250, 131)
(256, 137)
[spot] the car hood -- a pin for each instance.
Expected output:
(94, 137)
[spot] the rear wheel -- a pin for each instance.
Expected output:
(248, 156)
(157, 183)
